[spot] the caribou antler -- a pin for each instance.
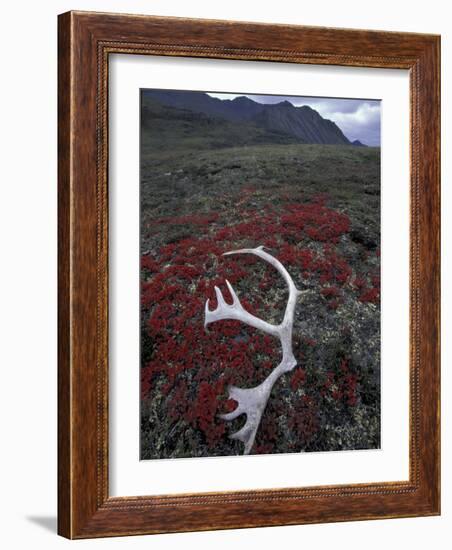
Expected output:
(252, 401)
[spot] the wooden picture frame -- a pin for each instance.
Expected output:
(85, 508)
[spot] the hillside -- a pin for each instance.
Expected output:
(166, 128)
(303, 124)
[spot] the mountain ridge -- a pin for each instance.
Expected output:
(302, 123)
(168, 128)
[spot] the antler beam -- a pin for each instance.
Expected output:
(252, 401)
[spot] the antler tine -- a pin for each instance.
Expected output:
(246, 435)
(235, 298)
(252, 402)
(220, 300)
(235, 311)
(231, 415)
(221, 309)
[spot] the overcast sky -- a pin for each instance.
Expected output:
(357, 118)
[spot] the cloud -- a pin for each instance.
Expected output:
(357, 118)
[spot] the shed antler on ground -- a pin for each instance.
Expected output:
(252, 401)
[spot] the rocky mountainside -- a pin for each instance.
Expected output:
(302, 123)
(358, 143)
(169, 128)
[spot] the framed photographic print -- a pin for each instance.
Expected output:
(248, 275)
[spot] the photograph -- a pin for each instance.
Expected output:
(259, 273)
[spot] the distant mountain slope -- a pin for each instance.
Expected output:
(302, 123)
(239, 109)
(172, 128)
(358, 143)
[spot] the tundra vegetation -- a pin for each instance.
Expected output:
(209, 186)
